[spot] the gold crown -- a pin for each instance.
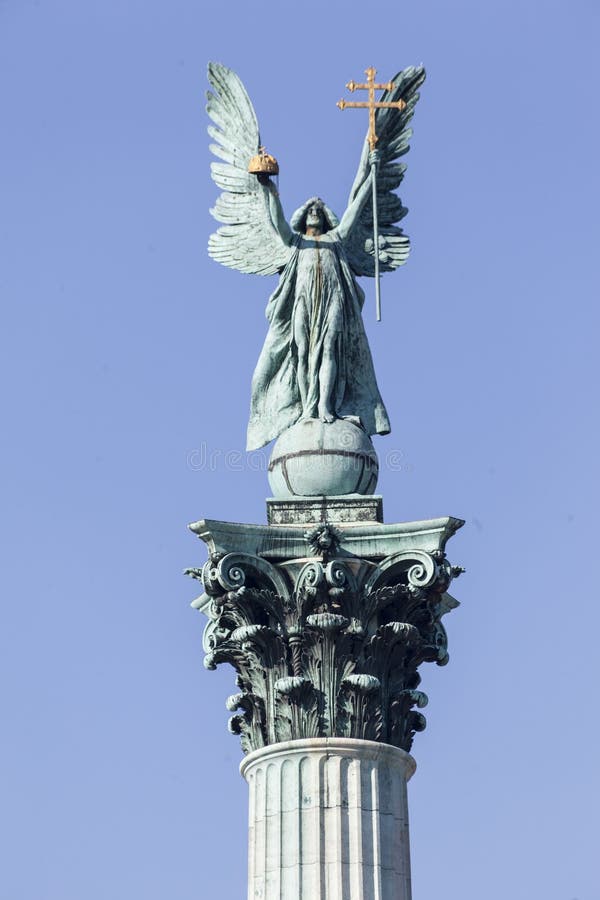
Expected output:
(263, 164)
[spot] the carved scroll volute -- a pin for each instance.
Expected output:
(322, 650)
(340, 578)
(235, 570)
(311, 579)
(424, 578)
(415, 568)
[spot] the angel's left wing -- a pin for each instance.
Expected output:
(252, 237)
(393, 132)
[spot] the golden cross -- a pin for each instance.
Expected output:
(371, 104)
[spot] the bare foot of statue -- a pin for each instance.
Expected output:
(326, 416)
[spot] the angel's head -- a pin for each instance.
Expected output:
(315, 217)
(315, 220)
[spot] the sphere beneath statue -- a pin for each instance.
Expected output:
(315, 458)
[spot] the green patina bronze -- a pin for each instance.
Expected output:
(316, 362)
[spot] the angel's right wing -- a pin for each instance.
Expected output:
(249, 239)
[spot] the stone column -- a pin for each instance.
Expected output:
(328, 821)
(326, 614)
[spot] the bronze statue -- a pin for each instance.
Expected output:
(316, 361)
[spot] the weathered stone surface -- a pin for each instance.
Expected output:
(328, 820)
(326, 627)
(371, 540)
(348, 509)
(316, 458)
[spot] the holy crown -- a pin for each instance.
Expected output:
(263, 164)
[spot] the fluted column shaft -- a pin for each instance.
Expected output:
(328, 821)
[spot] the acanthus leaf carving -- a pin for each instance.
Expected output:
(331, 650)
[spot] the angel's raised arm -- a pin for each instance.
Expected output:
(277, 215)
(355, 207)
(254, 236)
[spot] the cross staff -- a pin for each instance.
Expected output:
(371, 104)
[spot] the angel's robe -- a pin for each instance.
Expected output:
(318, 294)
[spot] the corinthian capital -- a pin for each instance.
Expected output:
(326, 643)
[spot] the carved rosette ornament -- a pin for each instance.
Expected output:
(327, 644)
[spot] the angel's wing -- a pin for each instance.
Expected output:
(392, 128)
(248, 240)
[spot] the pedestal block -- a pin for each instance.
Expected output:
(328, 821)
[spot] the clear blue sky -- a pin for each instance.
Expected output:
(125, 350)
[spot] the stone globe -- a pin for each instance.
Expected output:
(315, 458)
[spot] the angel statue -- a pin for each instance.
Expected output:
(315, 362)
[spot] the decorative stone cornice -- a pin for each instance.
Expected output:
(325, 643)
(281, 542)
